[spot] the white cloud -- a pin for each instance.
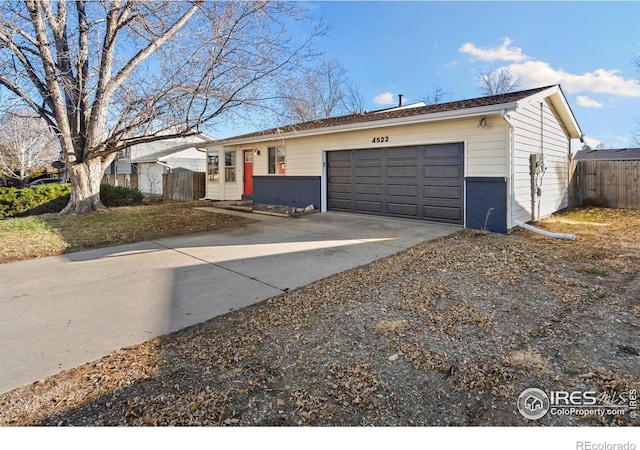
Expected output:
(386, 98)
(587, 102)
(600, 81)
(591, 142)
(539, 73)
(503, 53)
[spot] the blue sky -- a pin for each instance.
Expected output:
(391, 48)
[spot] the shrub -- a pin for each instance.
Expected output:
(53, 198)
(113, 196)
(48, 198)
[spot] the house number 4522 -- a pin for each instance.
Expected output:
(379, 139)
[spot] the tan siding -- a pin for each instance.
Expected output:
(554, 142)
(484, 149)
(231, 191)
(213, 190)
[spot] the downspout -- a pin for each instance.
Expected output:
(526, 226)
(512, 190)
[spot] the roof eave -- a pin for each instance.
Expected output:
(373, 124)
(562, 107)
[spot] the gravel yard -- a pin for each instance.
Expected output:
(449, 332)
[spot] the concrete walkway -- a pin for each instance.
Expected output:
(60, 312)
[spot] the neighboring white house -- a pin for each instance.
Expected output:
(482, 162)
(143, 165)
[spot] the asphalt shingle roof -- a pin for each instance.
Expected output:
(620, 154)
(392, 113)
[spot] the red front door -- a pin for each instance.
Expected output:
(248, 172)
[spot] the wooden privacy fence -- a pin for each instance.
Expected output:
(614, 184)
(183, 186)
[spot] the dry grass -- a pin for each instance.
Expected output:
(448, 332)
(50, 234)
(387, 326)
(527, 360)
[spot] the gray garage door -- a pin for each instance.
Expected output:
(423, 182)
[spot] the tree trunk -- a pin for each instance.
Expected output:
(85, 188)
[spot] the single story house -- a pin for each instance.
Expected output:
(483, 163)
(143, 165)
(618, 154)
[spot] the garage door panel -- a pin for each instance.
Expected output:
(402, 153)
(340, 204)
(446, 182)
(368, 206)
(339, 156)
(340, 188)
(442, 192)
(421, 182)
(399, 190)
(403, 162)
(368, 172)
(443, 213)
(341, 172)
(368, 163)
(365, 180)
(438, 202)
(404, 181)
(372, 189)
(371, 153)
(442, 172)
(442, 162)
(402, 210)
(404, 172)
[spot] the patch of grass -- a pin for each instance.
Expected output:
(593, 271)
(593, 215)
(50, 234)
(29, 237)
(607, 230)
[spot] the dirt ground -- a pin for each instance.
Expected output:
(449, 332)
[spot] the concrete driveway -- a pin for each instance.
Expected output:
(60, 312)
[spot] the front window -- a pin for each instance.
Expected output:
(213, 166)
(276, 160)
(230, 166)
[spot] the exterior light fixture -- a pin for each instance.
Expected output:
(482, 123)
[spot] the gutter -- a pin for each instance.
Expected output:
(163, 164)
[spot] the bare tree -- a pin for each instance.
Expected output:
(437, 95)
(25, 142)
(107, 75)
(500, 81)
(320, 92)
(352, 98)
